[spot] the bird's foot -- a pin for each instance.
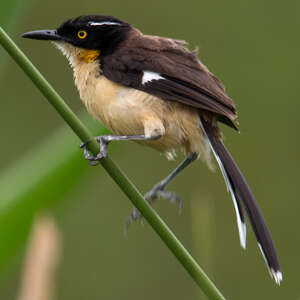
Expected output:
(95, 160)
(157, 192)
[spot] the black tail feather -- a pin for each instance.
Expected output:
(241, 193)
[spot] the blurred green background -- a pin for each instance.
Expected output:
(253, 47)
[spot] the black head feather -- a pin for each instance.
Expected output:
(104, 33)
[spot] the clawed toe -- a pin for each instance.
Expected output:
(135, 215)
(171, 197)
(156, 193)
(93, 160)
(84, 144)
(150, 197)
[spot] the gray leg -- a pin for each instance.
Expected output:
(104, 140)
(158, 190)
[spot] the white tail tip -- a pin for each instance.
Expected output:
(277, 275)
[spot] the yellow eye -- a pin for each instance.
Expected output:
(82, 34)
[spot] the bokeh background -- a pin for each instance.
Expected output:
(253, 47)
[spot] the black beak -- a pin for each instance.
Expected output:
(50, 35)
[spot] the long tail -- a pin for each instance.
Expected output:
(243, 198)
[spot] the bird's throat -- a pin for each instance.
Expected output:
(88, 55)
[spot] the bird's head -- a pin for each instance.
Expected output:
(85, 37)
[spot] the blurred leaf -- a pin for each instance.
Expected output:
(10, 11)
(38, 181)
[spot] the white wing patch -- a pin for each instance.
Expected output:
(241, 225)
(149, 76)
(104, 23)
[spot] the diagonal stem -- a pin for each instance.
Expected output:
(113, 170)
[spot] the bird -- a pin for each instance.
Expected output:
(155, 91)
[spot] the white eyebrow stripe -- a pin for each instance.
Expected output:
(103, 23)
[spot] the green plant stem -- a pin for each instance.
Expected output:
(117, 175)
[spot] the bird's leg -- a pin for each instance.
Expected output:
(158, 191)
(104, 140)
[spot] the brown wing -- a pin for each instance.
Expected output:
(177, 75)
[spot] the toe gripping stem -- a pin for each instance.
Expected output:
(94, 160)
(105, 139)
